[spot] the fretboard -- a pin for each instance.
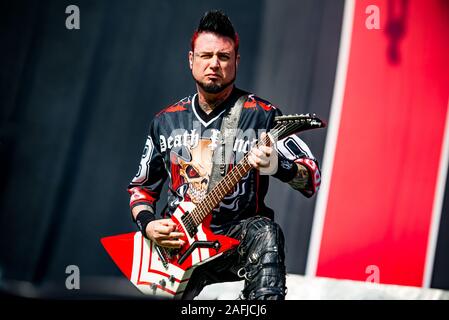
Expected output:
(222, 188)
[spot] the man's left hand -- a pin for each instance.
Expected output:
(259, 157)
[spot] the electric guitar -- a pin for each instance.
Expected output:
(165, 272)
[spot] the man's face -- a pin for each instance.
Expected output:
(213, 62)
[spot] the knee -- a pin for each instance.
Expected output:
(263, 236)
(262, 250)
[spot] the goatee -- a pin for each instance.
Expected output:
(214, 87)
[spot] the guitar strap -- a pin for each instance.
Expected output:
(223, 152)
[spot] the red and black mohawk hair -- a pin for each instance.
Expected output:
(216, 21)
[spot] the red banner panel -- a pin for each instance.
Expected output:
(387, 155)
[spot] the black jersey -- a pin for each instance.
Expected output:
(180, 146)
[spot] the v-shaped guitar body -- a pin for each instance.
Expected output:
(165, 272)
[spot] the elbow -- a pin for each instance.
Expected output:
(308, 177)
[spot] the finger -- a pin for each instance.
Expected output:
(167, 222)
(264, 163)
(263, 136)
(251, 161)
(175, 235)
(265, 139)
(163, 230)
(178, 228)
(258, 159)
(263, 158)
(257, 152)
(171, 243)
(266, 150)
(170, 224)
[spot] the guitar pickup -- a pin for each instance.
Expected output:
(189, 224)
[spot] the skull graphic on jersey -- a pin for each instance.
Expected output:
(195, 165)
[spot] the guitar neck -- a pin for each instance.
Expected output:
(223, 187)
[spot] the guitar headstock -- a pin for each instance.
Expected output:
(289, 124)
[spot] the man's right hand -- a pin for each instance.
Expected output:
(164, 232)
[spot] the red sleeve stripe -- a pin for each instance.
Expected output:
(139, 194)
(313, 171)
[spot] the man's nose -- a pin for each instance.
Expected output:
(215, 63)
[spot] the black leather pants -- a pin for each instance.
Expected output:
(259, 259)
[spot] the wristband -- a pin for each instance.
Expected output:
(286, 170)
(143, 218)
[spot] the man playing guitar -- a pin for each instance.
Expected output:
(181, 146)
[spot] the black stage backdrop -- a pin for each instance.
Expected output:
(75, 107)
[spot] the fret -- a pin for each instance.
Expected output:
(222, 191)
(229, 185)
(223, 188)
(197, 215)
(233, 180)
(247, 165)
(238, 169)
(233, 176)
(200, 215)
(214, 195)
(236, 172)
(226, 186)
(226, 180)
(212, 200)
(205, 207)
(193, 218)
(205, 211)
(218, 195)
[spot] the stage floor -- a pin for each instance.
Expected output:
(317, 288)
